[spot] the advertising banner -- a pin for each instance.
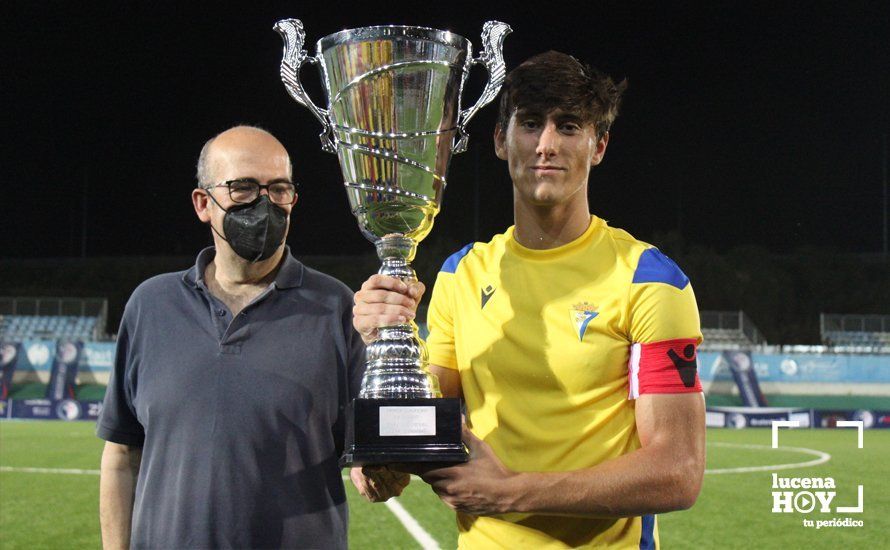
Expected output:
(8, 353)
(37, 355)
(802, 367)
(748, 417)
(870, 419)
(742, 368)
(62, 380)
(96, 357)
(50, 409)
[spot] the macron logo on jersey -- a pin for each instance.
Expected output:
(487, 293)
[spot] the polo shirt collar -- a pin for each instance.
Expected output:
(290, 273)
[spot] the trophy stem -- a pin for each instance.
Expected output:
(396, 252)
(398, 360)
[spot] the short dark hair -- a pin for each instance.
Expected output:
(554, 80)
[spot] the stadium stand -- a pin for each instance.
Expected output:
(28, 327)
(724, 330)
(855, 332)
(53, 318)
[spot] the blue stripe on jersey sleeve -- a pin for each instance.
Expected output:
(655, 267)
(450, 265)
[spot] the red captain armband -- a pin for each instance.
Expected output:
(663, 367)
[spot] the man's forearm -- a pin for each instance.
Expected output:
(641, 482)
(663, 475)
(117, 489)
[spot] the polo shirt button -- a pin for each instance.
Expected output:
(221, 312)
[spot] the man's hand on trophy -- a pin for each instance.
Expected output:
(378, 483)
(482, 486)
(384, 301)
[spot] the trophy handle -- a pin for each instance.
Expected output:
(492, 56)
(291, 31)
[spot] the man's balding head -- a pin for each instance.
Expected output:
(237, 147)
(248, 155)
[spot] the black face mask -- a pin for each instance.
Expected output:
(254, 230)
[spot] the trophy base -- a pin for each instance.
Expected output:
(387, 431)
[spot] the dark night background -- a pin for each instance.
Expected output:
(745, 124)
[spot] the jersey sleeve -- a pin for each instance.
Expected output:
(440, 321)
(117, 421)
(663, 327)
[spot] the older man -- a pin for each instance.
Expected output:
(224, 414)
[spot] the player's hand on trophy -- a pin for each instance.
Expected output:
(384, 301)
(378, 483)
(482, 486)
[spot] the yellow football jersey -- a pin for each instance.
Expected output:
(542, 340)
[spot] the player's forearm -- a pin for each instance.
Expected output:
(117, 489)
(449, 381)
(646, 481)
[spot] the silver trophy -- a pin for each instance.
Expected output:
(394, 118)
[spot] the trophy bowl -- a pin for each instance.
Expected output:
(394, 118)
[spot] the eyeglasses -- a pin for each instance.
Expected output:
(247, 190)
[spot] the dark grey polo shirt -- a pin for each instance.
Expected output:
(241, 420)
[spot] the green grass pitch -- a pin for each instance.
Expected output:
(60, 510)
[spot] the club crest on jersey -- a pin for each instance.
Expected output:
(582, 313)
